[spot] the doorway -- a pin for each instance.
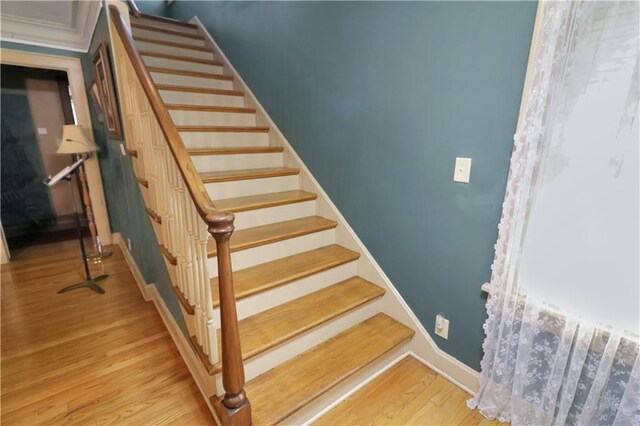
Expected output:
(35, 103)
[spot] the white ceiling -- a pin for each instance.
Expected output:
(65, 24)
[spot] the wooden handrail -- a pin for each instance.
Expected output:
(133, 8)
(235, 407)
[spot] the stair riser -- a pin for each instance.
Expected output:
(223, 139)
(317, 406)
(212, 118)
(185, 80)
(210, 163)
(156, 35)
(251, 218)
(173, 50)
(167, 26)
(204, 99)
(285, 293)
(241, 188)
(254, 256)
(153, 61)
(284, 352)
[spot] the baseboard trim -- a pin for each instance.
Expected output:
(150, 293)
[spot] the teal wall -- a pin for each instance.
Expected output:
(378, 98)
(126, 210)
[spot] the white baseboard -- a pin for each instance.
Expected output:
(150, 293)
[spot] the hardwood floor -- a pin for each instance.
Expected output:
(84, 358)
(409, 393)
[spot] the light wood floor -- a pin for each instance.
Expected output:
(409, 393)
(84, 358)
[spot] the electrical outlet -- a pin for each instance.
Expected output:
(462, 170)
(129, 243)
(442, 326)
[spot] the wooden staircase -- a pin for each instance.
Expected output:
(307, 321)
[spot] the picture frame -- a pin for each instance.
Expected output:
(94, 93)
(106, 90)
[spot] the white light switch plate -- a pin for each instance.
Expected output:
(462, 170)
(123, 150)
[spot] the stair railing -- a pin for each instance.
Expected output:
(183, 217)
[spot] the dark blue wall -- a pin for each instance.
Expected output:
(127, 213)
(378, 98)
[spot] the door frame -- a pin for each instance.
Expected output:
(73, 68)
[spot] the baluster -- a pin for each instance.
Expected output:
(236, 409)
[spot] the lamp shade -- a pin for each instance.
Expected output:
(75, 141)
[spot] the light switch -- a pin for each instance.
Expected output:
(462, 170)
(42, 130)
(123, 150)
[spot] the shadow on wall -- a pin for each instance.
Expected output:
(126, 208)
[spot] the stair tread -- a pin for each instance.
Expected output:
(282, 391)
(228, 129)
(275, 326)
(236, 110)
(172, 44)
(168, 20)
(262, 277)
(196, 89)
(180, 58)
(265, 234)
(262, 201)
(236, 150)
(169, 31)
(244, 174)
(215, 76)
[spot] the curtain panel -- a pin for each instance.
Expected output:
(542, 363)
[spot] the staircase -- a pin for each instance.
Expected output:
(313, 314)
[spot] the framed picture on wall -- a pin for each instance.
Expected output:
(97, 102)
(106, 89)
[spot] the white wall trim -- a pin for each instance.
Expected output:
(423, 344)
(150, 293)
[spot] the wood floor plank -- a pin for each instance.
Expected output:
(409, 393)
(280, 392)
(84, 358)
(256, 279)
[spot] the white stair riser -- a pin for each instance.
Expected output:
(172, 50)
(166, 25)
(210, 163)
(335, 395)
(272, 358)
(251, 218)
(255, 256)
(167, 37)
(241, 188)
(206, 99)
(262, 301)
(213, 118)
(185, 80)
(174, 64)
(224, 139)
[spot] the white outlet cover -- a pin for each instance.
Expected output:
(462, 170)
(444, 330)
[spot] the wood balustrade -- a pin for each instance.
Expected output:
(186, 217)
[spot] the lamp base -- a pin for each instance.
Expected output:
(97, 256)
(92, 284)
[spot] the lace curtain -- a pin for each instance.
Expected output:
(542, 364)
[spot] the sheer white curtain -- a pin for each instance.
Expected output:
(561, 341)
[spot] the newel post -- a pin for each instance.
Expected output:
(235, 407)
